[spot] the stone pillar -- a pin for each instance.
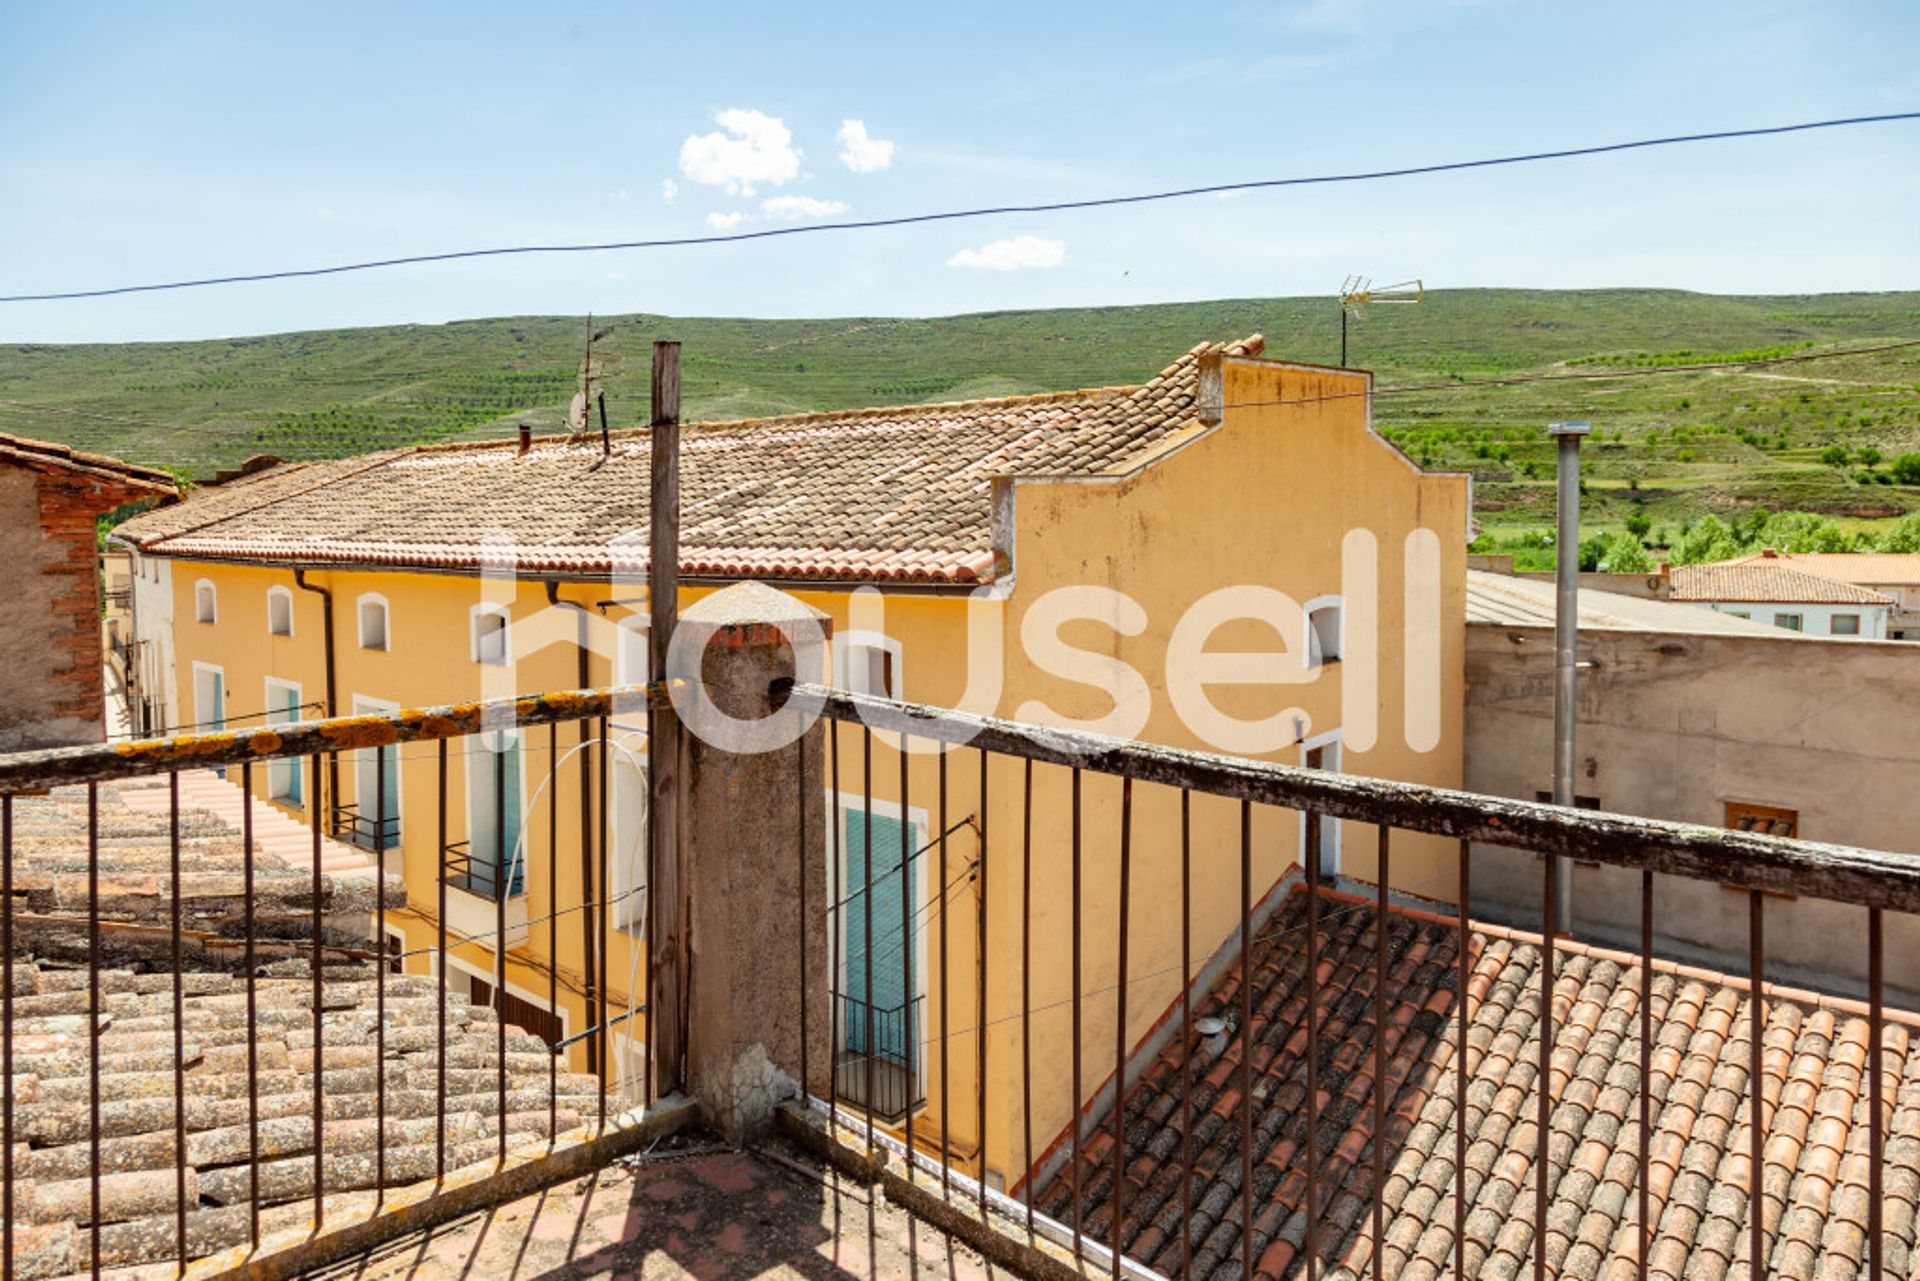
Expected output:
(753, 849)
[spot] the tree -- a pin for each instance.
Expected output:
(1638, 524)
(1904, 536)
(1621, 554)
(1706, 539)
(1906, 469)
(1869, 456)
(1834, 455)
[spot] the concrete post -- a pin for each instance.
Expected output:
(754, 835)
(1566, 643)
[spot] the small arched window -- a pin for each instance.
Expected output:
(279, 611)
(205, 604)
(374, 633)
(1325, 633)
(490, 635)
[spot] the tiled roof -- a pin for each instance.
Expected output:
(1814, 1180)
(1506, 601)
(1867, 569)
(901, 493)
(43, 453)
(135, 882)
(53, 1145)
(1765, 582)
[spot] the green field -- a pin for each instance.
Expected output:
(1668, 448)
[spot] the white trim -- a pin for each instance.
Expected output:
(297, 764)
(367, 705)
(200, 719)
(843, 642)
(839, 803)
(213, 601)
(274, 593)
(479, 747)
(1329, 825)
(360, 604)
(489, 609)
(1310, 637)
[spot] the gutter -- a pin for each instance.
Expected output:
(333, 701)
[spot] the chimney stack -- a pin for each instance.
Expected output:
(526, 437)
(1210, 399)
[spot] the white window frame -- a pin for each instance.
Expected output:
(1833, 625)
(1314, 655)
(386, 621)
(1799, 623)
(282, 594)
(477, 752)
(212, 612)
(283, 768)
(489, 610)
(201, 723)
(1333, 742)
(920, 824)
(846, 642)
(369, 758)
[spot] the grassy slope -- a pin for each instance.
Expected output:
(197, 405)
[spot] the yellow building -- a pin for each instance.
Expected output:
(1226, 557)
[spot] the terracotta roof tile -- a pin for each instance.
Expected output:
(1766, 581)
(1812, 1184)
(897, 493)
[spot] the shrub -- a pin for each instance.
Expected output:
(1638, 524)
(1906, 469)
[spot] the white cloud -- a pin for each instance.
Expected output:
(755, 148)
(861, 153)
(726, 221)
(669, 189)
(795, 207)
(1012, 255)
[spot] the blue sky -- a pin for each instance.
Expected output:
(142, 142)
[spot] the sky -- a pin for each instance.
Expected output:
(143, 142)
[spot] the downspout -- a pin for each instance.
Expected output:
(583, 680)
(333, 704)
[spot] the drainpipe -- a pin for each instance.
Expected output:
(333, 704)
(1566, 637)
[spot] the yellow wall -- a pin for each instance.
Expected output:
(1267, 497)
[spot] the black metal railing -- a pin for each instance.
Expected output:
(482, 876)
(1300, 1067)
(255, 1057)
(367, 830)
(876, 1061)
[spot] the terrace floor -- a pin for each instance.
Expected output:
(699, 1211)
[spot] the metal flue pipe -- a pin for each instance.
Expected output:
(1566, 638)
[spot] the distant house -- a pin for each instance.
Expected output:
(1768, 588)
(51, 498)
(1894, 575)
(1697, 717)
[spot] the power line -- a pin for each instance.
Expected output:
(954, 215)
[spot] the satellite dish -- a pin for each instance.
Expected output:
(577, 411)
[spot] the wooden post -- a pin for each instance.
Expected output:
(667, 1020)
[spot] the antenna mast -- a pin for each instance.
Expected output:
(1358, 291)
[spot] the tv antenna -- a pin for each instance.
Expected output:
(594, 370)
(1357, 292)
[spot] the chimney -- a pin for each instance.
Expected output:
(526, 437)
(1211, 396)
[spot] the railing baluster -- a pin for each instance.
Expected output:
(6, 1025)
(1026, 983)
(599, 918)
(1465, 964)
(1312, 856)
(906, 947)
(1544, 1112)
(319, 1009)
(502, 884)
(946, 1117)
(1757, 1131)
(93, 1008)
(866, 906)
(653, 922)
(1646, 1070)
(980, 1020)
(1120, 1023)
(253, 1011)
(589, 971)
(1382, 875)
(1186, 1033)
(800, 866)
(440, 916)
(837, 924)
(380, 799)
(179, 1019)
(1074, 1102)
(1876, 1121)
(553, 935)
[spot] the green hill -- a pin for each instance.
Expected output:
(1671, 446)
